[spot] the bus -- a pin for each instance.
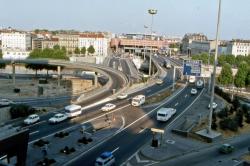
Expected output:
(138, 100)
(73, 110)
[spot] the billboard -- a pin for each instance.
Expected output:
(192, 68)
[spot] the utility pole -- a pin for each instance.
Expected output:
(152, 12)
(214, 71)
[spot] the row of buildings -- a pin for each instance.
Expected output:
(19, 43)
(197, 43)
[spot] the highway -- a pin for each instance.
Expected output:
(136, 133)
(43, 128)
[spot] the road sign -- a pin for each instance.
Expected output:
(192, 67)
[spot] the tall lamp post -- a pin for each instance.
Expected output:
(152, 12)
(214, 71)
(145, 37)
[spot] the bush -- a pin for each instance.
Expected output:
(61, 134)
(223, 113)
(16, 90)
(21, 110)
(46, 162)
(236, 103)
(67, 150)
(228, 123)
(41, 143)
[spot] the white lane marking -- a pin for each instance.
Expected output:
(81, 123)
(123, 124)
(139, 160)
(98, 144)
(115, 150)
(142, 130)
(38, 123)
(172, 122)
(176, 104)
(186, 96)
(34, 132)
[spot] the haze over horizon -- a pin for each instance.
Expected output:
(174, 18)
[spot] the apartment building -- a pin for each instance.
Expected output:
(97, 40)
(189, 38)
(239, 47)
(16, 40)
(69, 41)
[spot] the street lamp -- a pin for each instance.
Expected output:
(145, 27)
(152, 12)
(214, 71)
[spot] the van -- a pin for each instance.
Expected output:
(164, 114)
(138, 100)
(192, 79)
(105, 159)
(73, 110)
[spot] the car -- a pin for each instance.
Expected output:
(108, 107)
(214, 105)
(122, 96)
(6, 102)
(58, 118)
(31, 119)
(105, 159)
(226, 149)
(193, 91)
(191, 79)
(159, 81)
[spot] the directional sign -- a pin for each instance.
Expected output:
(192, 67)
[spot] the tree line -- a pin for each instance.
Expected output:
(84, 50)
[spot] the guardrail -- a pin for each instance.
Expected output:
(85, 66)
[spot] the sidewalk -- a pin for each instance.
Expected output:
(96, 130)
(175, 145)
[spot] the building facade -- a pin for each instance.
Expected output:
(97, 40)
(69, 41)
(239, 47)
(15, 54)
(189, 38)
(16, 40)
(198, 47)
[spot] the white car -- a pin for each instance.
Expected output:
(58, 118)
(31, 119)
(214, 105)
(159, 81)
(108, 107)
(5, 102)
(193, 91)
(122, 96)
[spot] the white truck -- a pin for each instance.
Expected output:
(164, 114)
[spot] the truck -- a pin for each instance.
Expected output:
(164, 114)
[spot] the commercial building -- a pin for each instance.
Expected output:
(16, 40)
(239, 47)
(139, 43)
(97, 40)
(189, 38)
(198, 47)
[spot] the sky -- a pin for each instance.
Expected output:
(174, 17)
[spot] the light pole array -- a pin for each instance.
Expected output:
(214, 71)
(152, 12)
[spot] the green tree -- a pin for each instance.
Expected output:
(1, 54)
(241, 75)
(226, 76)
(56, 47)
(77, 50)
(83, 50)
(91, 49)
(248, 78)
(239, 59)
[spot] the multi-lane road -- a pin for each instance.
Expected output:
(136, 132)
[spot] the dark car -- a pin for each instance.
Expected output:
(226, 149)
